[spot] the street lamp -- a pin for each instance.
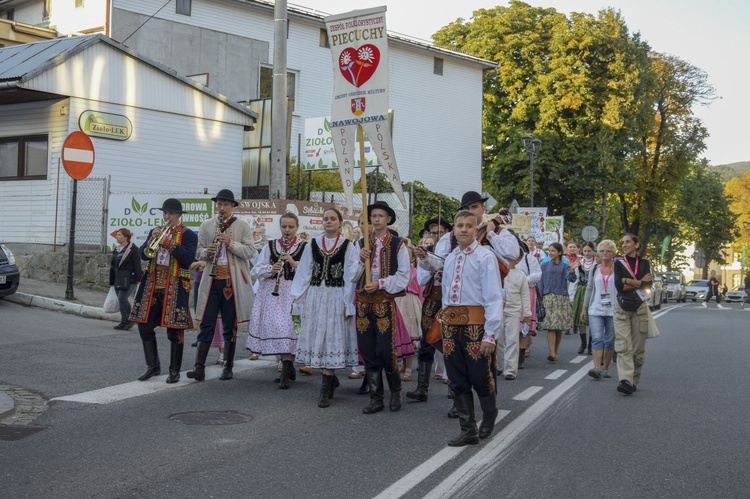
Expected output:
(532, 147)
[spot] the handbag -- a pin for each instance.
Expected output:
(122, 279)
(435, 334)
(653, 330)
(541, 312)
(111, 303)
(629, 300)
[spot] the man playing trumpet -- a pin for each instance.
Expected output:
(162, 296)
(226, 244)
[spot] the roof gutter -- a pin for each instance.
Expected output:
(4, 85)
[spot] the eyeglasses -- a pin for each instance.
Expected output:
(606, 251)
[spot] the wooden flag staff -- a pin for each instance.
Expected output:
(365, 216)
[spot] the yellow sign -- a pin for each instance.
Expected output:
(105, 125)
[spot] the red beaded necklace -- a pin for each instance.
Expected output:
(335, 243)
(285, 247)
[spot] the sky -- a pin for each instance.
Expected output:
(711, 35)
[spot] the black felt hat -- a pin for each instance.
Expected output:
(225, 195)
(471, 197)
(438, 221)
(172, 204)
(382, 205)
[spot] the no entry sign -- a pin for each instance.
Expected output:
(78, 155)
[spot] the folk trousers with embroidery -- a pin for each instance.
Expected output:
(147, 330)
(220, 300)
(430, 308)
(466, 367)
(376, 336)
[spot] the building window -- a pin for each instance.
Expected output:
(10, 14)
(79, 4)
(437, 66)
(324, 38)
(24, 158)
(183, 7)
(265, 86)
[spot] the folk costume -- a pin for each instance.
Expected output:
(472, 313)
(377, 334)
(580, 276)
(226, 287)
(162, 298)
(532, 269)
(322, 295)
(272, 330)
(516, 306)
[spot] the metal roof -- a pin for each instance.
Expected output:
(21, 63)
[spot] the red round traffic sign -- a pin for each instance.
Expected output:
(78, 155)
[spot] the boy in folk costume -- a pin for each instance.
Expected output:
(162, 296)
(472, 316)
(226, 244)
(516, 310)
(376, 327)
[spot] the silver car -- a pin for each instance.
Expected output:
(675, 283)
(697, 289)
(736, 294)
(655, 294)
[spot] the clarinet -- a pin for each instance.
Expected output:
(275, 291)
(219, 230)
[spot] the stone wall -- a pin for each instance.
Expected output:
(90, 269)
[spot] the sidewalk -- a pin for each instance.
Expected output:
(50, 295)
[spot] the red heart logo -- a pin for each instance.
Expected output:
(358, 65)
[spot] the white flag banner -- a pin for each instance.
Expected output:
(359, 48)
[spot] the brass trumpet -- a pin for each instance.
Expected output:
(153, 246)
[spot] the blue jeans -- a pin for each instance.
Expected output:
(602, 332)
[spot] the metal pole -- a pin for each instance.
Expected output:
(279, 104)
(299, 166)
(72, 243)
(377, 180)
(532, 179)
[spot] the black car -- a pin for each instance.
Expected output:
(9, 275)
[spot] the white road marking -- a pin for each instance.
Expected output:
(579, 359)
(528, 393)
(556, 374)
(466, 477)
(157, 384)
(80, 155)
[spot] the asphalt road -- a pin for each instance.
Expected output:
(683, 434)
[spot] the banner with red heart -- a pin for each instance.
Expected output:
(358, 65)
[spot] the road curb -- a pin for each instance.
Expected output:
(7, 405)
(63, 306)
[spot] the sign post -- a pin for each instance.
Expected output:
(78, 160)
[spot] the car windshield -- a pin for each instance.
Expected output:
(672, 278)
(698, 283)
(738, 288)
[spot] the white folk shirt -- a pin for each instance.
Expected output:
(471, 277)
(516, 294)
(504, 244)
(392, 284)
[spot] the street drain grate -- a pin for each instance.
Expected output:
(211, 418)
(18, 432)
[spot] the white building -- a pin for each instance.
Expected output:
(166, 133)
(436, 94)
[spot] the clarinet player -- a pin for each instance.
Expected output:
(226, 244)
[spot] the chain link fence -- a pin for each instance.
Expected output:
(403, 215)
(91, 212)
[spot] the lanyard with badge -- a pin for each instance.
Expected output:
(640, 292)
(606, 298)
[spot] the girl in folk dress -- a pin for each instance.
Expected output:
(409, 307)
(271, 330)
(579, 273)
(327, 339)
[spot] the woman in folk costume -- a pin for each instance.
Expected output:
(226, 244)
(271, 330)
(409, 307)
(579, 274)
(327, 339)
(162, 297)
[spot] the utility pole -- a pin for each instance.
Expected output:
(279, 104)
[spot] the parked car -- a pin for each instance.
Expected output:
(675, 284)
(655, 294)
(736, 294)
(9, 275)
(697, 289)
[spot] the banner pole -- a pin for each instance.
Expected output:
(365, 216)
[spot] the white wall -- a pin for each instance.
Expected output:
(66, 18)
(438, 119)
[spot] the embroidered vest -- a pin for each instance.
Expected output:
(388, 259)
(296, 255)
(328, 268)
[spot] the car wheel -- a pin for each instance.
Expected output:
(657, 307)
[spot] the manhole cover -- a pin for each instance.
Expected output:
(18, 432)
(210, 417)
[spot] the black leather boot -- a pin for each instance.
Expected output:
(423, 382)
(364, 388)
(589, 349)
(229, 348)
(334, 384)
(287, 369)
(152, 360)
(583, 343)
(394, 386)
(375, 379)
(175, 361)
(325, 391)
(199, 370)
(465, 407)
(453, 412)
(489, 415)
